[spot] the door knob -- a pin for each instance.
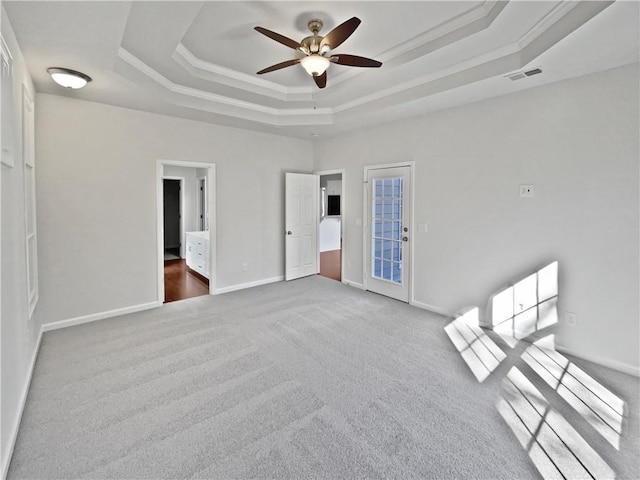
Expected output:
(405, 239)
(289, 232)
(405, 229)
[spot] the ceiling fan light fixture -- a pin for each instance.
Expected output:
(68, 78)
(315, 64)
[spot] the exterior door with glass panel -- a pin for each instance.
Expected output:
(387, 232)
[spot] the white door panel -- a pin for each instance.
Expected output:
(301, 224)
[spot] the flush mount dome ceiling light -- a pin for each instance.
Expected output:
(317, 50)
(68, 78)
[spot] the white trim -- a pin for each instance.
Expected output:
(47, 327)
(183, 240)
(226, 76)
(432, 308)
(13, 432)
(201, 208)
(353, 284)
(30, 230)
(211, 209)
(605, 362)
(160, 229)
(242, 286)
(343, 215)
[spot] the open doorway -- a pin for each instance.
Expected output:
(172, 188)
(186, 244)
(331, 223)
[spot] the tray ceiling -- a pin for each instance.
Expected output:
(198, 59)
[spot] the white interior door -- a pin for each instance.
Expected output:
(302, 196)
(387, 232)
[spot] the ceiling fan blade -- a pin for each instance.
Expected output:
(355, 61)
(339, 34)
(280, 65)
(278, 38)
(321, 80)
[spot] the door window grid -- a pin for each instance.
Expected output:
(387, 229)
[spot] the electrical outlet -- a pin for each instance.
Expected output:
(526, 190)
(571, 319)
(245, 267)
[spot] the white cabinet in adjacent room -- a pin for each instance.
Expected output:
(198, 252)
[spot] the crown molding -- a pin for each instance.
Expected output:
(512, 57)
(468, 23)
(561, 20)
(555, 14)
(226, 76)
(461, 26)
(477, 18)
(239, 108)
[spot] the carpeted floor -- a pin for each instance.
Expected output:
(305, 379)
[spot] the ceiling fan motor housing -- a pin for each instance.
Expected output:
(311, 44)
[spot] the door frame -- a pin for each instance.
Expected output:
(211, 207)
(343, 216)
(365, 221)
(182, 199)
(200, 206)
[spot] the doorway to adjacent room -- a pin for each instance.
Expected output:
(331, 223)
(186, 219)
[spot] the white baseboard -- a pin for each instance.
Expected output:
(98, 316)
(353, 284)
(605, 362)
(432, 308)
(13, 433)
(242, 286)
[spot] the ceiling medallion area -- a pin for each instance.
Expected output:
(316, 50)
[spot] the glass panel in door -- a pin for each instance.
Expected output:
(387, 245)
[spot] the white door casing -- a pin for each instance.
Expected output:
(302, 195)
(387, 233)
(28, 153)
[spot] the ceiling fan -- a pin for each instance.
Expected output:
(317, 50)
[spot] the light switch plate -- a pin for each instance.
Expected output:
(526, 190)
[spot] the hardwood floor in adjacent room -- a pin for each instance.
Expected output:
(330, 264)
(180, 282)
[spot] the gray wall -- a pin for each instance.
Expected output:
(84, 149)
(577, 141)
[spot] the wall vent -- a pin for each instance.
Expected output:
(520, 75)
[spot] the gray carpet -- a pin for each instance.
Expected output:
(306, 379)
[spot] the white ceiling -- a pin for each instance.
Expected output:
(198, 59)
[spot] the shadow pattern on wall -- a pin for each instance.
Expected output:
(522, 314)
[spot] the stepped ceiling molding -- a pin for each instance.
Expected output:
(199, 60)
